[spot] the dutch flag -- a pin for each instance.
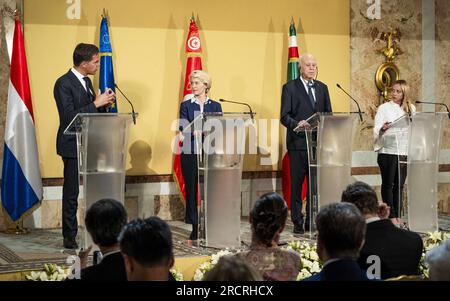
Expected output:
(21, 177)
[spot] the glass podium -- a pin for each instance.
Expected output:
(102, 140)
(329, 141)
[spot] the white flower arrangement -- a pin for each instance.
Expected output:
(51, 272)
(433, 240)
(309, 259)
(177, 274)
(208, 265)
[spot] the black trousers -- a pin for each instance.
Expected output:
(190, 176)
(70, 198)
(393, 179)
(299, 168)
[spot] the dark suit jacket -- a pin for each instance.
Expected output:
(111, 268)
(189, 110)
(296, 106)
(341, 270)
(71, 99)
(399, 250)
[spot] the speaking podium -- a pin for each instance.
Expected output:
(220, 149)
(102, 140)
(423, 169)
(329, 141)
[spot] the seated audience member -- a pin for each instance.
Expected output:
(147, 249)
(340, 236)
(267, 219)
(399, 250)
(232, 268)
(104, 221)
(438, 261)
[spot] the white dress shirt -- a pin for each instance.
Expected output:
(394, 140)
(305, 83)
(193, 99)
(81, 79)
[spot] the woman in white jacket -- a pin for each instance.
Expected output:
(391, 143)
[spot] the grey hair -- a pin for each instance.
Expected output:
(203, 77)
(438, 261)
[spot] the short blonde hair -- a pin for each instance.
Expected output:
(203, 77)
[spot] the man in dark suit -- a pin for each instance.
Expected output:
(104, 221)
(340, 236)
(301, 98)
(74, 94)
(399, 250)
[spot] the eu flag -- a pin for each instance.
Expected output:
(106, 65)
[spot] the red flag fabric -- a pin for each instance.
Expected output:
(194, 62)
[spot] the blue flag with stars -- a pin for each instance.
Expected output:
(106, 65)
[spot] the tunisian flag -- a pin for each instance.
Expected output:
(194, 62)
(293, 73)
(21, 176)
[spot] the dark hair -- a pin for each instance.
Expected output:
(362, 196)
(148, 241)
(84, 53)
(341, 230)
(232, 268)
(104, 220)
(268, 216)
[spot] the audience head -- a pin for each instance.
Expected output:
(268, 218)
(438, 261)
(104, 220)
(362, 196)
(146, 246)
(341, 230)
(232, 268)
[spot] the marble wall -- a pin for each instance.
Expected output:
(404, 15)
(442, 60)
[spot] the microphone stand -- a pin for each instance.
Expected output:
(436, 103)
(133, 114)
(357, 104)
(239, 103)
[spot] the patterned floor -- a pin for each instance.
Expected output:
(32, 250)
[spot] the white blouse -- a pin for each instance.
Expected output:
(395, 139)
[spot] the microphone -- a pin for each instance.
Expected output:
(357, 104)
(239, 103)
(133, 114)
(436, 103)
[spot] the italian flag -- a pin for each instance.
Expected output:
(292, 73)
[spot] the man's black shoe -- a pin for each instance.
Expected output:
(194, 233)
(298, 229)
(70, 243)
(307, 227)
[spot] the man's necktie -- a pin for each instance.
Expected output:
(310, 93)
(89, 87)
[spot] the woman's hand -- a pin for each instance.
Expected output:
(385, 126)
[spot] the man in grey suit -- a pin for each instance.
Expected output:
(75, 94)
(301, 98)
